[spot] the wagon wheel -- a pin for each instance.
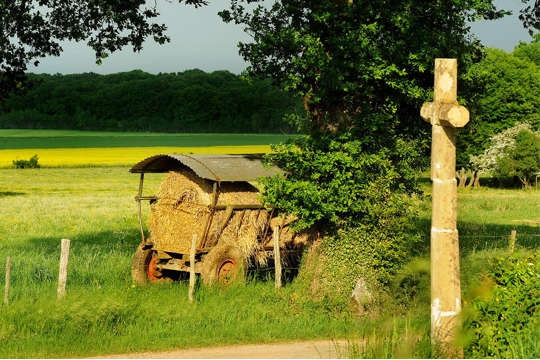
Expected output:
(144, 268)
(224, 265)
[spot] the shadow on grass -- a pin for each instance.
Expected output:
(126, 242)
(10, 193)
(125, 239)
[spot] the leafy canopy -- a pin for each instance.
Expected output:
(361, 66)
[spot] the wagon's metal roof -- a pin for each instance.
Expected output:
(209, 166)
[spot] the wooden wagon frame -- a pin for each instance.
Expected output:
(216, 169)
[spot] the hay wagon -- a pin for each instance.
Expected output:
(209, 197)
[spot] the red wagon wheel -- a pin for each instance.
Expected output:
(227, 271)
(154, 275)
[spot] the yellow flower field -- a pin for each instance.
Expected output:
(71, 157)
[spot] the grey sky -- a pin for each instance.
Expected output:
(199, 39)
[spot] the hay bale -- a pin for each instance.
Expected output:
(182, 209)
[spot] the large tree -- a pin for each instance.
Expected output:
(361, 66)
(33, 29)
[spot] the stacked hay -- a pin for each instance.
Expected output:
(182, 209)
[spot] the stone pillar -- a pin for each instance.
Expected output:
(445, 115)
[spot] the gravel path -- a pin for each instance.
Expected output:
(294, 350)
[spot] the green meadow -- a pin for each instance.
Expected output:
(51, 139)
(104, 314)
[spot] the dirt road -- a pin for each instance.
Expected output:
(298, 350)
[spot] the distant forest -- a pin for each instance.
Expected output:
(190, 101)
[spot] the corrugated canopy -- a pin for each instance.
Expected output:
(209, 166)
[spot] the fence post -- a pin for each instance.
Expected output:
(62, 275)
(192, 268)
(8, 270)
(512, 240)
(277, 257)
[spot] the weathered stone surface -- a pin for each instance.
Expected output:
(361, 293)
(444, 207)
(445, 115)
(443, 153)
(451, 115)
(445, 81)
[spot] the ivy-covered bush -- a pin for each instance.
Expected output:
(502, 319)
(356, 199)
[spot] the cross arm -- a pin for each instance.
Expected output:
(451, 115)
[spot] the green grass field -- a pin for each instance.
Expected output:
(103, 314)
(52, 139)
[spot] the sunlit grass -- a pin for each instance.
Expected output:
(74, 157)
(103, 313)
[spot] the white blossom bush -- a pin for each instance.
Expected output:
(501, 144)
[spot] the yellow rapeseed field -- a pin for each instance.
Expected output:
(70, 157)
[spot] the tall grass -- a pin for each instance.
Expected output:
(102, 313)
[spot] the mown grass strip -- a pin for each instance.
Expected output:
(51, 139)
(68, 157)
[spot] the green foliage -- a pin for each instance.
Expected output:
(529, 51)
(191, 101)
(359, 201)
(363, 69)
(501, 91)
(369, 252)
(31, 163)
(361, 66)
(523, 160)
(332, 182)
(503, 314)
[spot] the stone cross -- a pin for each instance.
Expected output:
(445, 115)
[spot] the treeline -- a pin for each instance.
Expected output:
(501, 91)
(190, 101)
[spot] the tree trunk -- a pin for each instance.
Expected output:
(462, 177)
(477, 180)
(473, 176)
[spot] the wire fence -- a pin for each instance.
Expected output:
(495, 236)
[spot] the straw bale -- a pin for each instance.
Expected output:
(286, 235)
(183, 207)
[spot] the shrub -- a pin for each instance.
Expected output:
(523, 161)
(502, 319)
(32, 163)
(358, 201)
(501, 144)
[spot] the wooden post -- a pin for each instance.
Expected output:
(192, 267)
(445, 115)
(62, 275)
(512, 240)
(277, 257)
(8, 270)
